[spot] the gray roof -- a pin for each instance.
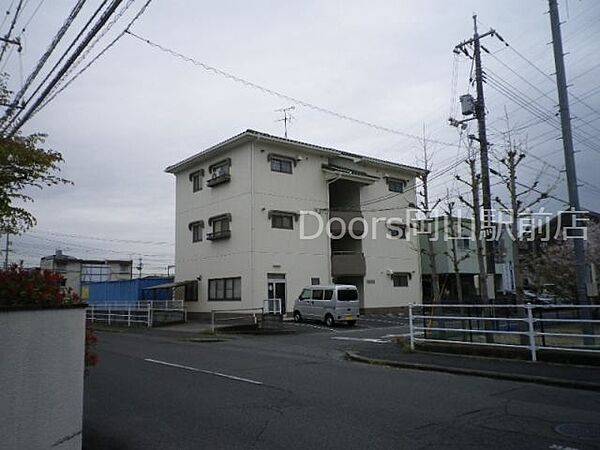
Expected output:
(252, 135)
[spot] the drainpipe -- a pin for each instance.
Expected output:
(252, 220)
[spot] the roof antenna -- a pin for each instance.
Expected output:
(287, 117)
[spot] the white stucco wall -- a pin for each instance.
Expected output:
(255, 249)
(41, 378)
(385, 255)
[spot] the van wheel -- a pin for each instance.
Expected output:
(329, 320)
(297, 316)
(351, 323)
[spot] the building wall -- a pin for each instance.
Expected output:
(283, 251)
(255, 249)
(222, 258)
(384, 256)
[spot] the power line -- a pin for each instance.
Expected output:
(272, 92)
(99, 55)
(59, 35)
(10, 30)
(97, 27)
(57, 63)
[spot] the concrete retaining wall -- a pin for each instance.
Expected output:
(41, 377)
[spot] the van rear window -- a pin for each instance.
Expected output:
(347, 294)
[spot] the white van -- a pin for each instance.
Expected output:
(328, 303)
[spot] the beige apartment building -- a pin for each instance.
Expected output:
(252, 217)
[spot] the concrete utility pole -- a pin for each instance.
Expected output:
(486, 197)
(486, 200)
(6, 250)
(139, 267)
(567, 138)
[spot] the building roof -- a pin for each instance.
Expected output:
(252, 135)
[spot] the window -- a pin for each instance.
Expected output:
(306, 294)
(314, 281)
(196, 228)
(220, 172)
(220, 227)
(281, 163)
(400, 279)
(191, 291)
(283, 219)
(317, 294)
(328, 294)
(91, 273)
(196, 179)
(463, 243)
(396, 184)
(347, 295)
(225, 289)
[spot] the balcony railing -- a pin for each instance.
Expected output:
(219, 179)
(348, 264)
(215, 236)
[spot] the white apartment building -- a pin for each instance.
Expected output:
(244, 205)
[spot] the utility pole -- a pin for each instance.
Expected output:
(486, 200)
(567, 138)
(139, 267)
(6, 250)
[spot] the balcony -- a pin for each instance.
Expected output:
(358, 226)
(348, 264)
(217, 235)
(215, 180)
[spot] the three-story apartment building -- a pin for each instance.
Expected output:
(252, 222)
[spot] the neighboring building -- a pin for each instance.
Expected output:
(550, 234)
(126, 291)
(466, 252)
(78, 271)
(238, 224)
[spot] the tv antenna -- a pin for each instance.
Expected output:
(287, 117)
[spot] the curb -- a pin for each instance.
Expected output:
(557, 382)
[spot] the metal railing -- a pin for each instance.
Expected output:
(569, 328)
(270, 306)
(132, 313)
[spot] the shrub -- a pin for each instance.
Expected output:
(20, 286)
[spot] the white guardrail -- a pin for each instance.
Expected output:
(569, 328)
(270, 306)
(131, 313)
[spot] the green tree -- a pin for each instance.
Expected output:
(23, 164)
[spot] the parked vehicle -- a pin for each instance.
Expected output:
(328, 303)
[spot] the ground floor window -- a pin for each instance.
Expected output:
(225, 289)
(400, 279)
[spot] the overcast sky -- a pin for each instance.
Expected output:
(137, 109)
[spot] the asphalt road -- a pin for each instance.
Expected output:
(298, 391)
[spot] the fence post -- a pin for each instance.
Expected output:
(212, 322)
(411, 326)
(531, 332)
(109, 314)
(92, 313)
(129, 315)
(149, 317)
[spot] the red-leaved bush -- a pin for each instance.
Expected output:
(20, 286)
(43, 288)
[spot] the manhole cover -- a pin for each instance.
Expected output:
(579, 430)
